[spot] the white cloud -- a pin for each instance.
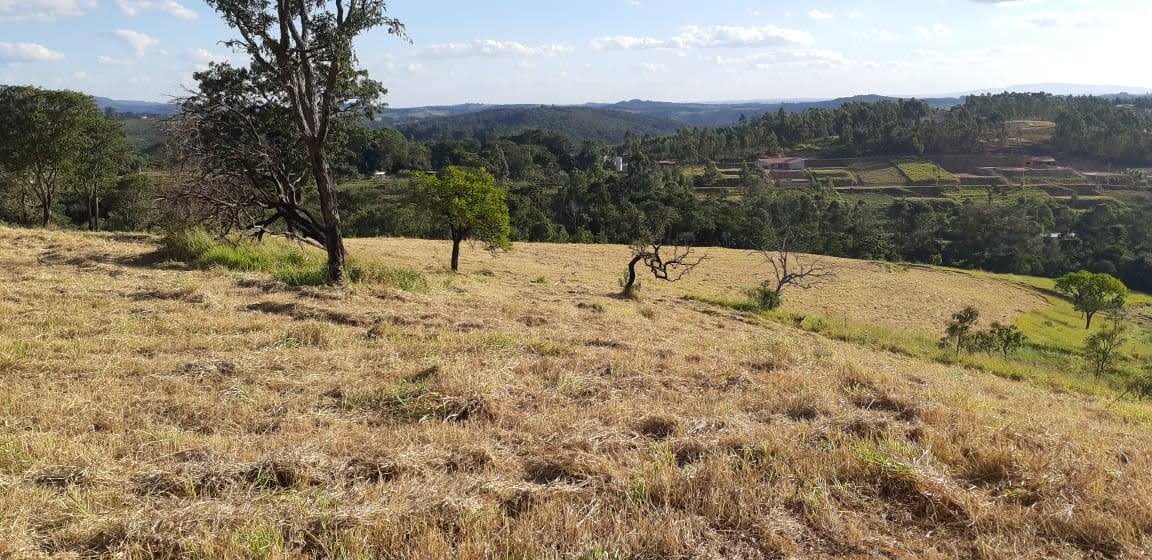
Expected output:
(202, 58)
(735, 36)
(80, 76)
(140, 42)
(42, 10)
(819, 14)
(104, 59)
(934, 31)
(626, 43)
(716, 36)
(27, 52)
(652, 68)
(1059, 20)
(170, 7)
(876, 34)
(492, 48)
(796, 58)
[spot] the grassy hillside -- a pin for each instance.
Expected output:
(579, 123)
(519, 410)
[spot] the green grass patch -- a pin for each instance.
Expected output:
(926, 173)
(880, 175)
(1035, 363)
(290, 263)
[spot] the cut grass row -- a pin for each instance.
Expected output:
(885, 176)
(926, 172)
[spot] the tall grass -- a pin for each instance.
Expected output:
(292, 264)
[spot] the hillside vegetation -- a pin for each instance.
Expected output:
(577, 123)
(519, 410)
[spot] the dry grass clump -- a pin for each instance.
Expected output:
(151, 411)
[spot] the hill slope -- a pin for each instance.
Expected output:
(517, 411)
(578, 123)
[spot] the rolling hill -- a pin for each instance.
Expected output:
(137, 107)
(520, 410)
(578, 123)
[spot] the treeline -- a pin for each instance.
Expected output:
(1094, 127)
(1031, 236)
(63, 160)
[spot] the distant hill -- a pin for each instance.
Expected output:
(138, 107)
(603, 121)
(578, 123)
(720, 114)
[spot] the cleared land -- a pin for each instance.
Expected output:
(520, 411)
(926, 172)
(880, 175)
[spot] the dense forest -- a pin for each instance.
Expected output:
(559, 190)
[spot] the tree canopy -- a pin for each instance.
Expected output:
(306, 50)
(1093, 292)
(466, 204)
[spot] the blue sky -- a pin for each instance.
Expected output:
(520, 51)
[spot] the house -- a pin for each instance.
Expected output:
(618, 164)
(783, 163)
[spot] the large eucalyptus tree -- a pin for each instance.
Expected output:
(304, 49)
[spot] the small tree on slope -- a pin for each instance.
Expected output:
(1092, 293)
(468, 204)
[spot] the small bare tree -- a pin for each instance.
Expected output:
(790, 268)
(675, 262)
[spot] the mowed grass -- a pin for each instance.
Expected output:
(523, 411)
(1059, 326)
(880, 175)
(926, 172)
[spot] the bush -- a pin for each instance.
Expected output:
(764, 298)
(1140, 386)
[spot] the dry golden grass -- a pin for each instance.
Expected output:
(516, 411)
(912, 298)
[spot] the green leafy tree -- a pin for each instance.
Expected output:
(305, 50)
(468, 204)
(1102, 349)
(1007, 339)
(958, 333)
(1092, 293)
(104, 157)
(42, 137)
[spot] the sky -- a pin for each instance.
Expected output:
(530, 51)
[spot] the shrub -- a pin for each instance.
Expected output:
(764, 297)
(959, 330)
(1140, 386)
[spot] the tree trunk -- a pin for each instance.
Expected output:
(631, 283)
(46, 212)
(93, 212)
(329, 207)
(1088, 321)
(456, 253)
(25, 219)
